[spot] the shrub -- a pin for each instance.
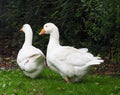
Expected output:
(83, 23)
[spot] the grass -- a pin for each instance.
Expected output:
(14, 82)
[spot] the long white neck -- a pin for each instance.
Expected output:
(54, 39)
(28, 38)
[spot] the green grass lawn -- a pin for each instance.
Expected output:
(13, 82)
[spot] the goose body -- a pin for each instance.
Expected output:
(69, 62)
(30, 59)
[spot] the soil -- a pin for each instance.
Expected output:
(8, 56)
(7, 53)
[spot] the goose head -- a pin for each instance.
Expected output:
(48, 28)
(26, 28)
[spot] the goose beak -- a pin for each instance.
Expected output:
(21, 29)
(42, 32)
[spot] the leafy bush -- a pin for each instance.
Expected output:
(93, 24)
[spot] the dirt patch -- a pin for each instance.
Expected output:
(7, 53)
(8, 56)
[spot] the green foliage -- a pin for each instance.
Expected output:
(94, 24)
(14, 82)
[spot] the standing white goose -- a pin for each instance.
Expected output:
(69, 62)
(30, 59)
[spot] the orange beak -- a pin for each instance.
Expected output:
(21, 29)
(42, 32)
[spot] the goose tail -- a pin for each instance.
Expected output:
(95, 62)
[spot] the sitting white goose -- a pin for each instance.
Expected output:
(30, 59)
(69, 62)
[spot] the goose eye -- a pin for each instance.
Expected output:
(46, 26)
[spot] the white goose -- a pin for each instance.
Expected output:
(30, 59)
(69, 62)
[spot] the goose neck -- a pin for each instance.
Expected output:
(54, 38)
(28, 38)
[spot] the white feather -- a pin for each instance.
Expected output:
(30, 59)
(69, 62)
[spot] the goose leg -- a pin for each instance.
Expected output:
(66, 79)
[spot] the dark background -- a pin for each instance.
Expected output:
(94, 24)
